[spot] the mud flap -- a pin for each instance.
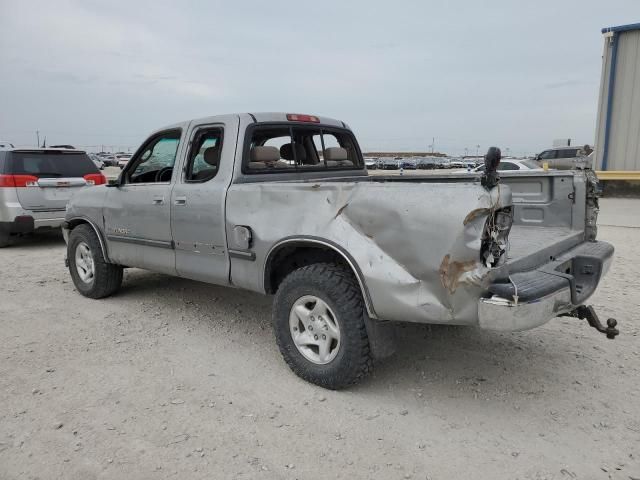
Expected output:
(382, 338)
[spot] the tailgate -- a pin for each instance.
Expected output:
(49, 194)
(553, 212)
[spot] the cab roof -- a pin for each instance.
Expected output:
(258, 117)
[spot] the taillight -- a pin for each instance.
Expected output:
(18, 181)
(297, 117)
(95, 179)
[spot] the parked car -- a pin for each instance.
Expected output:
(246, 200)
(5, 145)
(122, 159)
(35, 185)
(566, 158)
(426, 163)
(389, 163)
(408, 163)
(513, 165)
(109, 160)
(457, 164)
(99, 162)
(371, 163)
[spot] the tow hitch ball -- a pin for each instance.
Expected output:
(586, 312)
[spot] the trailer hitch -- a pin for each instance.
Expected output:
(587, 312)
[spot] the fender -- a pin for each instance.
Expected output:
(68, 225)
(310, 240)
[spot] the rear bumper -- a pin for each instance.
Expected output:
(529, 299)
(28, 224)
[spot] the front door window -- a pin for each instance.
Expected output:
(154, 164)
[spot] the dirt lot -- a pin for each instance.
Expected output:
(176, 379)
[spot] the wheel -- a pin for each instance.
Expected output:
(318, 321)
(91, 274)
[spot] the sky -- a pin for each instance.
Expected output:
(463, 72)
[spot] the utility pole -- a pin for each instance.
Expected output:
(38, 138)
(466, 152)
(477, 150)
(433, 144)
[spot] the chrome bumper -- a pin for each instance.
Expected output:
(498, 313)
(529, 299)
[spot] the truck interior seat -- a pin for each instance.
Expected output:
(263, 157)
(211, 156)
(336, 157)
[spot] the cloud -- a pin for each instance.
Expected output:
(466, 73)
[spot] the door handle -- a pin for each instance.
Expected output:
(180, 201)
(158, 200)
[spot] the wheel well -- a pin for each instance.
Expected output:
(290, 257)
(74, 222)
(296, 254)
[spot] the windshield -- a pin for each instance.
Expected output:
(51, 164)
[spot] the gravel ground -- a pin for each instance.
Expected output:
(177, 379)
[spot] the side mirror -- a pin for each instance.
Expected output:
(492, 159)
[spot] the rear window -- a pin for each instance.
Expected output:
(290, 148)
(51, 164)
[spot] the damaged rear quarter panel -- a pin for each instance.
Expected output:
(416, 244)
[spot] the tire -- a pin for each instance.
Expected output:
(106, 277)
(350, 359)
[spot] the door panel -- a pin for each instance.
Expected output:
(137, 222)
(137, 213)
(198, 203)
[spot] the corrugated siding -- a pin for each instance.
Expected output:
(602, 103)
(624, 135)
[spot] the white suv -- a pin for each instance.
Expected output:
(566, 158)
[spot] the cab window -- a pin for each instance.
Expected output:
(154, 162)
(282, 148)
(204, 157)
(548, 155)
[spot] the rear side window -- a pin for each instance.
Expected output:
(204, 157)
(531, 163)
(51, 164)
(568, 153)
(288, 148)
(508, 166)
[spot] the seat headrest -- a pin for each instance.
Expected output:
(211, 156)
(264, 154)
(286, 152)
(335, 154)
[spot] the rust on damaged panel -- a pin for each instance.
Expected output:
(451, 270)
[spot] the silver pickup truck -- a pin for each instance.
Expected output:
(282, 204)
